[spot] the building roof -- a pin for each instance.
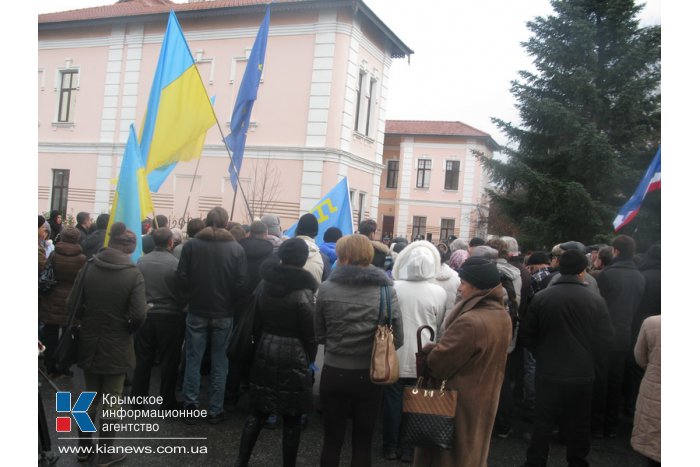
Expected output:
(150, 9)
(436, 128)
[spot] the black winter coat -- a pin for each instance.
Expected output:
(280, 380)
(568, 329)
(93, 243)
(257, 250)
(212, 273)
(650, 304)
(622, 286)
(115, 307)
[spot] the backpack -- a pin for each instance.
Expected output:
(512, 309)
(47, 277)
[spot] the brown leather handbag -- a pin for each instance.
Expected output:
(428, 417)
(384, 367)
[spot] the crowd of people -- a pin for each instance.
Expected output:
(570, 336)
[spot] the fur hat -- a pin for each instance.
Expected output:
(484, 251)
(294, 252)
(307, 225)
(480, 272)
(70, 235)
(121, 238)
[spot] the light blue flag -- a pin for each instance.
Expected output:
(334, 210)
(132, 197)
(247, 94)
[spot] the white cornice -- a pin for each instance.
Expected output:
(415, 202)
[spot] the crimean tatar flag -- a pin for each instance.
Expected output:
(334, 210)
(179, 111)
(132, 200)
(650, 182)
(247, 94)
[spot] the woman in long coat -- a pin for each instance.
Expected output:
(646, 432)
(111, 307)
(67, 259)
(280, 379)
(471, 356)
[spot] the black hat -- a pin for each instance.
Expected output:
(294, 252)
(480, 272)
(573, 245)
(307, 225)
(332, 235)
(538, 257)
(476, 241)
(572, 262)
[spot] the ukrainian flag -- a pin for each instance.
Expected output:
(132, 199)
(179, 111)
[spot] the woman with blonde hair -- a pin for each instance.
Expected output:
(346, 319)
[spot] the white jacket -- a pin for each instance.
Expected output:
(315, 262)
(448, 279)
(421, 301)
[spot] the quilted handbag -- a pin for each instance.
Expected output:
(428, 416)
(47, 278)
(384, 366)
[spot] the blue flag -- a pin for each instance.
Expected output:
(247, 94)
(334, 210)
(650, 182)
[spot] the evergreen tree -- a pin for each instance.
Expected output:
(591, 119)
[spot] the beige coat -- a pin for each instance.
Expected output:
(472, 355)
(646, 433)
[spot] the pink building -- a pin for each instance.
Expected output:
(432, 184)
(320, 113)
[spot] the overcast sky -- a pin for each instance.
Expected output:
(466, 54)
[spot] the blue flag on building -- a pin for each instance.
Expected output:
(334, 210)
(650, 182)
(247, 94)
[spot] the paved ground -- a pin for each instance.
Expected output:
(222, 442)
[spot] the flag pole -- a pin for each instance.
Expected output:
(194, 177)
(245, 199)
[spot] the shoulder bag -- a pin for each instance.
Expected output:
(66, 352)
(428, 413)
(384, 366)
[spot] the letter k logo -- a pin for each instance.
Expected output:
(78, 411)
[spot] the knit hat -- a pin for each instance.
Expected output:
(457, 258)
(332, 235)
(70, 235)
(41, 221)
(572, 262)
(121, 238)
(307, 225)
(538, 257)
(476, 241)
(273, 224)
(294, 252)
(483, 251)
(480, 272)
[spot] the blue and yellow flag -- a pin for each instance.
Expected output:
(179, 111)
(132, 200)
(334, 210)
(247, 93)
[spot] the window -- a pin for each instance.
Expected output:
(451, 175)
(361, 208)
(447, 228)
(419, 224)
(370, 101)
(423, 179)
(59, 190)
(66, 99)
(358, 103)
(392, 173)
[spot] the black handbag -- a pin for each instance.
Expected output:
(66, 352)
(47, 277)
(428, 418)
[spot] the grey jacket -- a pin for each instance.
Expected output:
(162, 294)
(347, 311)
